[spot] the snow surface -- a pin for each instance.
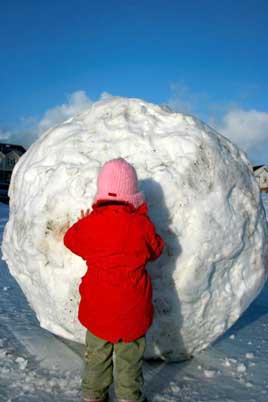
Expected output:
(202, 195)
(53, 369)
(265, 203)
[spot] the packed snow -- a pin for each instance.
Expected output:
(265, 203)
(53, 369)
(202, 196)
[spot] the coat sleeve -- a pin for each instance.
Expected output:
(154, 241)
(75, 238)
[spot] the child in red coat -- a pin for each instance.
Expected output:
(116, 240)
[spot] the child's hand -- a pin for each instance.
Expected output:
(84, 214)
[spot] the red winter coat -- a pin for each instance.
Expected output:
(116, 292)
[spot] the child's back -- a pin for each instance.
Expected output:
(116, 239)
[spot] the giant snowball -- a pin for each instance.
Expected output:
(202, 196)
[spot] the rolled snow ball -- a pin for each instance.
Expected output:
(202, 196)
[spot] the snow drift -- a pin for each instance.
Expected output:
(202, 196)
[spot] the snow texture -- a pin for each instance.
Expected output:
(53, 371)
(202, 196)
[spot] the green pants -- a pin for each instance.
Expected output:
(98, 368)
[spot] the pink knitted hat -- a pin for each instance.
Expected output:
(117, 180)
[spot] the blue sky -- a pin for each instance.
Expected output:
(203, 57)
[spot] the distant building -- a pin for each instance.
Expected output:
(261, 174)
(9, 156)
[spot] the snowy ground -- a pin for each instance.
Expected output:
(36, 366)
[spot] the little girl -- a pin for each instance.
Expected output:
(116, 240)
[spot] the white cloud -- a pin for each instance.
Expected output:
(105, 95)
(77, 102)
(31, 128)
(184, 100)
(4, 135)
(248, 129)
(245, 127)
